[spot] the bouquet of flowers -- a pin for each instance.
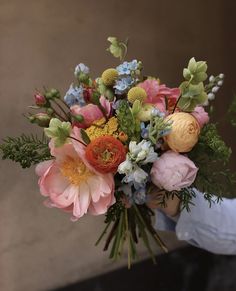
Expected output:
(110, 143)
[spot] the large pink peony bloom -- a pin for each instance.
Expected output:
(173, 171)
(91, 112)
(156, 94)
(72, 184)
(201, 115)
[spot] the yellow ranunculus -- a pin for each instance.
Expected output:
(184, 133)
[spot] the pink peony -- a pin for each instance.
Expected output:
(173, 171)
(71, 184)
(201, 115)
(91, 112)
(151, 87)
(156, 94)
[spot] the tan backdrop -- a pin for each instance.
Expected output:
(40, 43)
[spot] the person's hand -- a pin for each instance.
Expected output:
(155, 199)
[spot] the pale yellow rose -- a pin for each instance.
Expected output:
(185, 132)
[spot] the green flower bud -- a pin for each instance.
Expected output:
(83, 78)
(59, 131)
(52, 94)
(49, 111)
(41, 119)
(79, 118)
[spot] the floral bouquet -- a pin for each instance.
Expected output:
(113, 144)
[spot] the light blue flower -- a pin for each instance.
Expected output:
(123, 69)
(133, 65)
(75, 96)
(127, 67)
(144, 130)
(81, 68)
(123, 85)
(139, 196)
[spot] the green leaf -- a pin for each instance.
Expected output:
(192, 65)
(84, 136)
(117, 48)
(186, 74)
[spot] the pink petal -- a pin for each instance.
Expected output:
(42, 167)
(84, 198)
(65, 198)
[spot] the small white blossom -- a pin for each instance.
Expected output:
(221, 76)
(220, 83)
(125, 167)
(211, 96)
(215, 89)
(142, 152)
(212, 79)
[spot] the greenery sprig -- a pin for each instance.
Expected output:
(211, 155)
(26, 150)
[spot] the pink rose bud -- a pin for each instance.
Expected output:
(87, 94)
(39, 99)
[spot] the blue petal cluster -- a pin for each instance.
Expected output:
(123, 84)
(81, 68)
(138, 196)
(127, 67)
(74, 96)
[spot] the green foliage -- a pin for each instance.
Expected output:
(127, 121)
(59, 131)
(192, 95)
(195, 72)
(157, 127)
(232, 112)
(117, 48)
(211, 155)
(26, 150)
(192, 89)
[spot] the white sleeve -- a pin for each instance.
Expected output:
(210, 228)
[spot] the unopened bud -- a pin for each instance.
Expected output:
(211, 96)
(40, 100)
(211, 79)
(87, 93)
(41, 119)
(52, 94)
(221, 76)
(215, 89)
(79, 118)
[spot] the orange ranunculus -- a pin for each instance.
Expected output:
(105, 153)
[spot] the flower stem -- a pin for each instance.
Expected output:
(58, 114)
(62, 109)
(77, 140)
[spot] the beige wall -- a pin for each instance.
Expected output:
(40, 43)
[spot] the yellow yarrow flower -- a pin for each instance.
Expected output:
(101, 127)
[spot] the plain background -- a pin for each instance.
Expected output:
(40, 44)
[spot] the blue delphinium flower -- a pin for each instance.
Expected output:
(81, 68)
(123, 84)
(139, 196)
(75, 96)
(144, 130)
(127, 67)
